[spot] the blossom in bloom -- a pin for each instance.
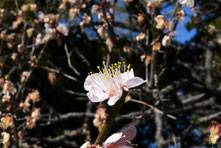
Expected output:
(8, 88)
(6, 120)
(166, 40)
(25, 106)
(34, 96)
(189, 3)
(160, 21)
(121, 139)
(36, 114)
(140, 36)
(31, 120)
(5, 139)
(118, 140)
(215, 132)
(109, 82)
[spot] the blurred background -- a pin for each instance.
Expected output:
(48, 47)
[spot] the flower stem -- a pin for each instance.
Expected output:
(107, 125)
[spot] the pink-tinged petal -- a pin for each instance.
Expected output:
(97, 96)
(86, 145)
(133, 82)
(127, 75)
(112, 139)
(114, 99)
(130, 133)
(121, 139)
(89, 81)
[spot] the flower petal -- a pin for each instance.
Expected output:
(133, 82)
(115, 98)
(113, 138)
(86, 145)
(97, 96)
(88, 82)
(127, 75)
(130, 132)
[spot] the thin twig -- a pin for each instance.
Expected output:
(152, 107)
(69, 60)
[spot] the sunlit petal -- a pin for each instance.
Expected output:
(133, 82)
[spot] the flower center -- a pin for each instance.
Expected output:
(109, 78)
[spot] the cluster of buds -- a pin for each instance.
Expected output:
(6, 120)
(8, 88)
(34, 96)
(31, 120)
(162, 22)
(100, 117)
